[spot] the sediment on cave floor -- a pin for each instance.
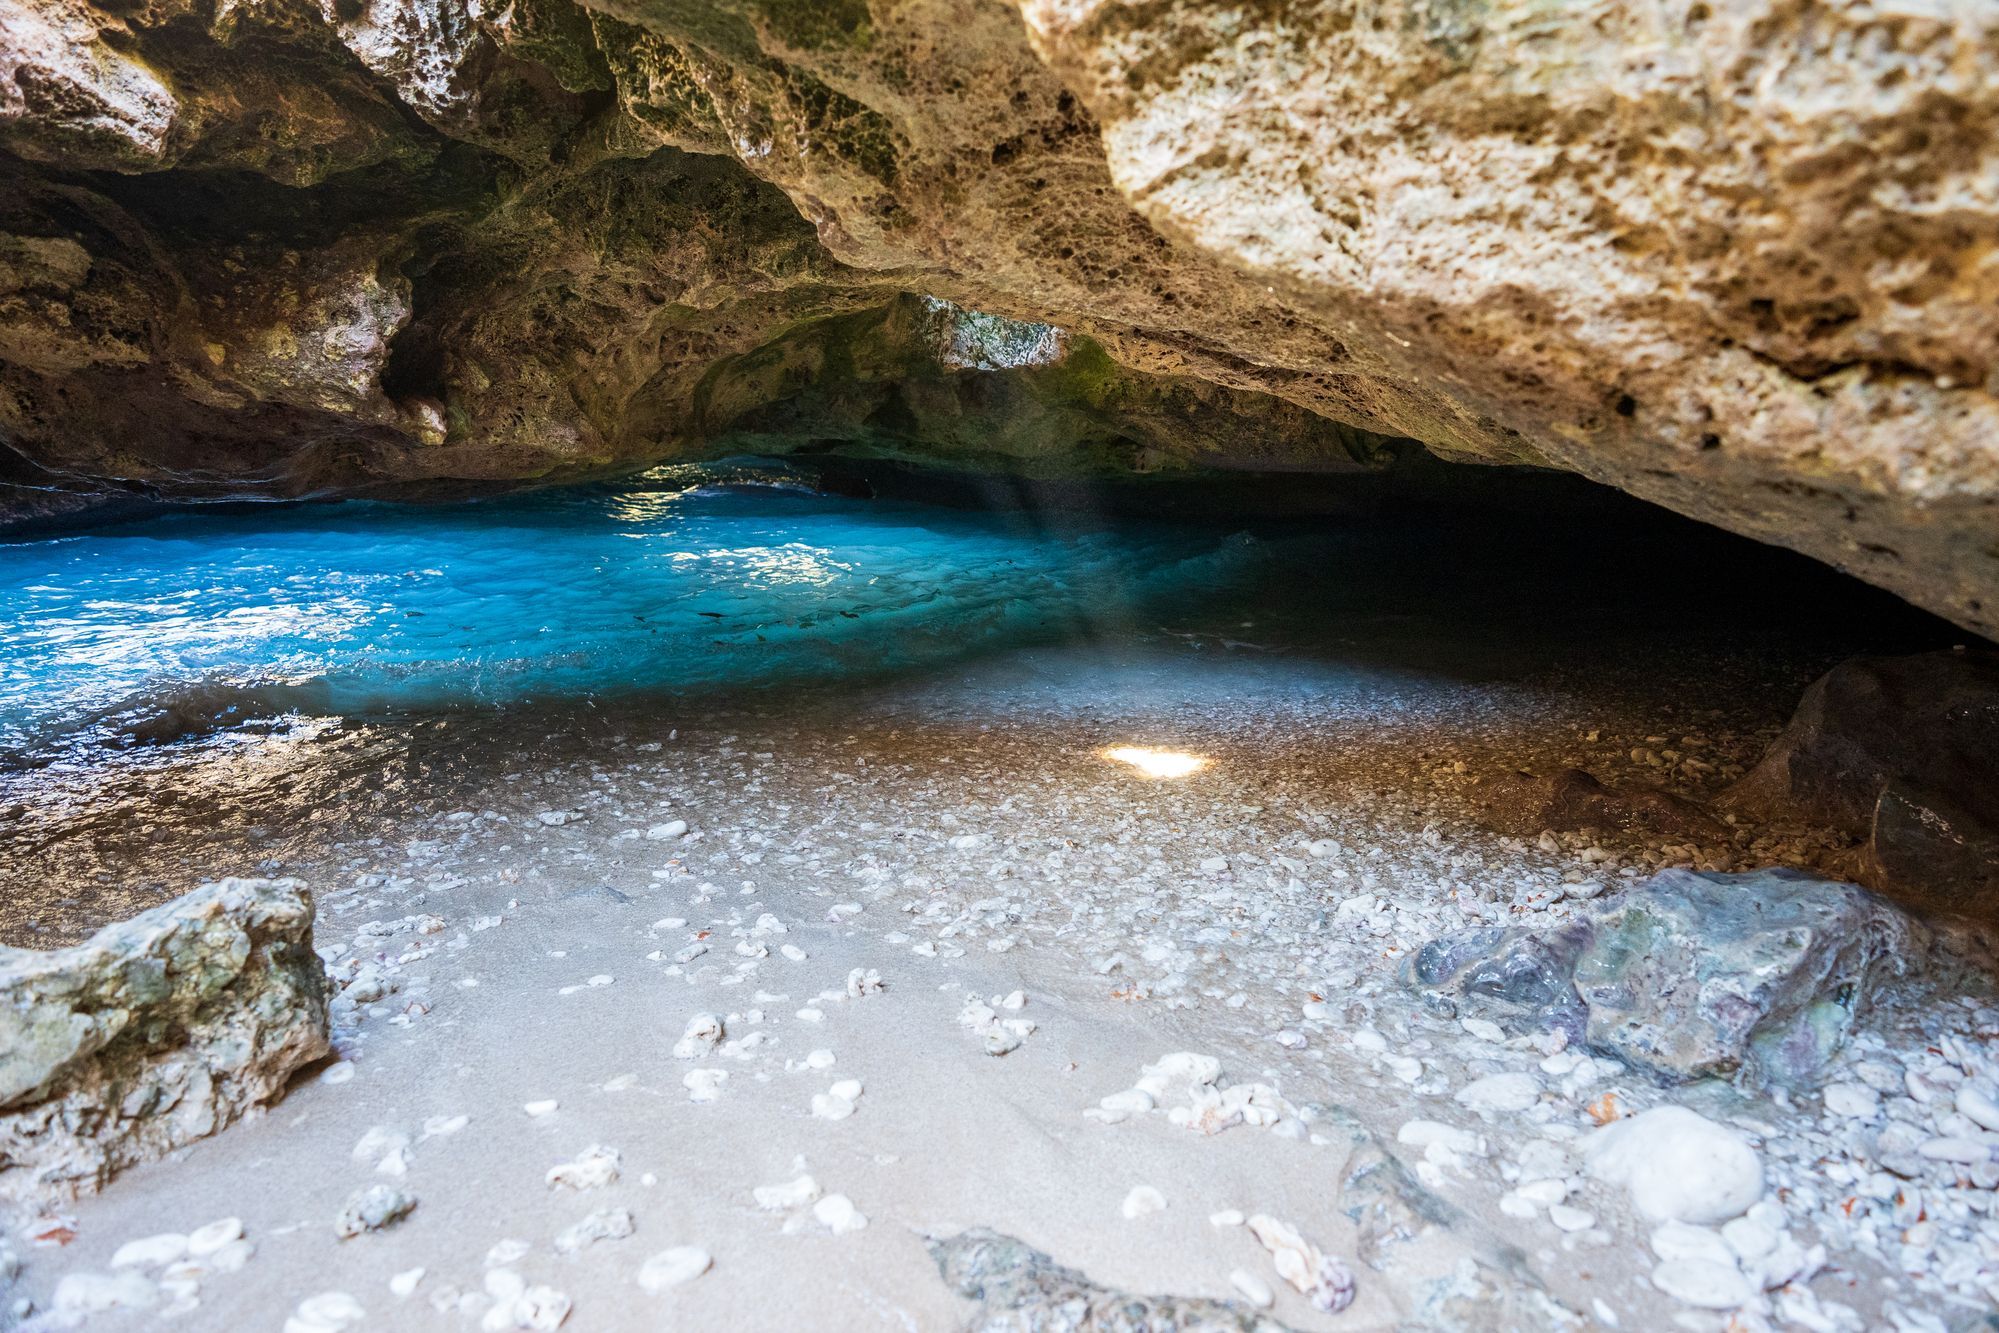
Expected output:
(998, 664)
(758, 895)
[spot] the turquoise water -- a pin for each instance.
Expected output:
(671, 582)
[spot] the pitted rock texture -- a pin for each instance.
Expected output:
(1731, 257)
(1759, 976)
(153, 1033)
(1021, 1290)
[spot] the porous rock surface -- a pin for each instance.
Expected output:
(153, 1033)
(1021, 1290)
(1689, 975)
(1733, 257)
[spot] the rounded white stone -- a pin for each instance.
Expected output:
(1501, 1092)
(1707, 1286)
(1566, 1218)
(1853, 1101)
(671, 1268)
(1142, 1200)
(1252, 1288)
(152, 1251)
(1677, 1165)
(1978, 1106)
(204, 1241)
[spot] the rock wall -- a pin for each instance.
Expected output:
(1730, 255)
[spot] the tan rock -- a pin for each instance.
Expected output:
(153, 1033)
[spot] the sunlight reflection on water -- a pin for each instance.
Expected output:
(659, 585)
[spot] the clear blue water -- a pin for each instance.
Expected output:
(666, 583)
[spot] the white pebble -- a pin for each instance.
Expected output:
(1854, 1101)
(204, 1241)
(1978, 1106)
(604, 1224)
(151, 1252)
(1749, 1239)
(1252, 1288)
(328, 1312)
(539, 1109)
(1142, 1200)
(1566, 1218)
(404, 1284)
(671, 1268)
(836, 1212)
(784, 1198)
(704, 1085)
(1707, 1286)
(1501, 1092)
(1678, 1240)
(699, 1038)
(1678, 1165)
(593, 1168)
(827, 1106)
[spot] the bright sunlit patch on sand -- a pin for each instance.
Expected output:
(1157, 763)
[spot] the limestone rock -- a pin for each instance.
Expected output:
(1018, 1287)
(1678, 1165)
(1730, 260)
(1692, 975)
(153, 1033)
(1693, 250)
(1903, 751)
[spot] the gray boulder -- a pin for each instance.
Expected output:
(1903, 752)
(1018, 1289)
(1687, 976)
(153, 1033)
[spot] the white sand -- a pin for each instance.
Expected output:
(977, 817)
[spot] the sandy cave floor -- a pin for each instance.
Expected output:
(963, 837)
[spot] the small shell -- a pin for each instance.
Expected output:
(670, 1268)
(594, 1167)
(703, 1031)
(836, 1212)
(783, 1198)
(1142, 1200)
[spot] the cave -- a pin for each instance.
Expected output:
(998, 664)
